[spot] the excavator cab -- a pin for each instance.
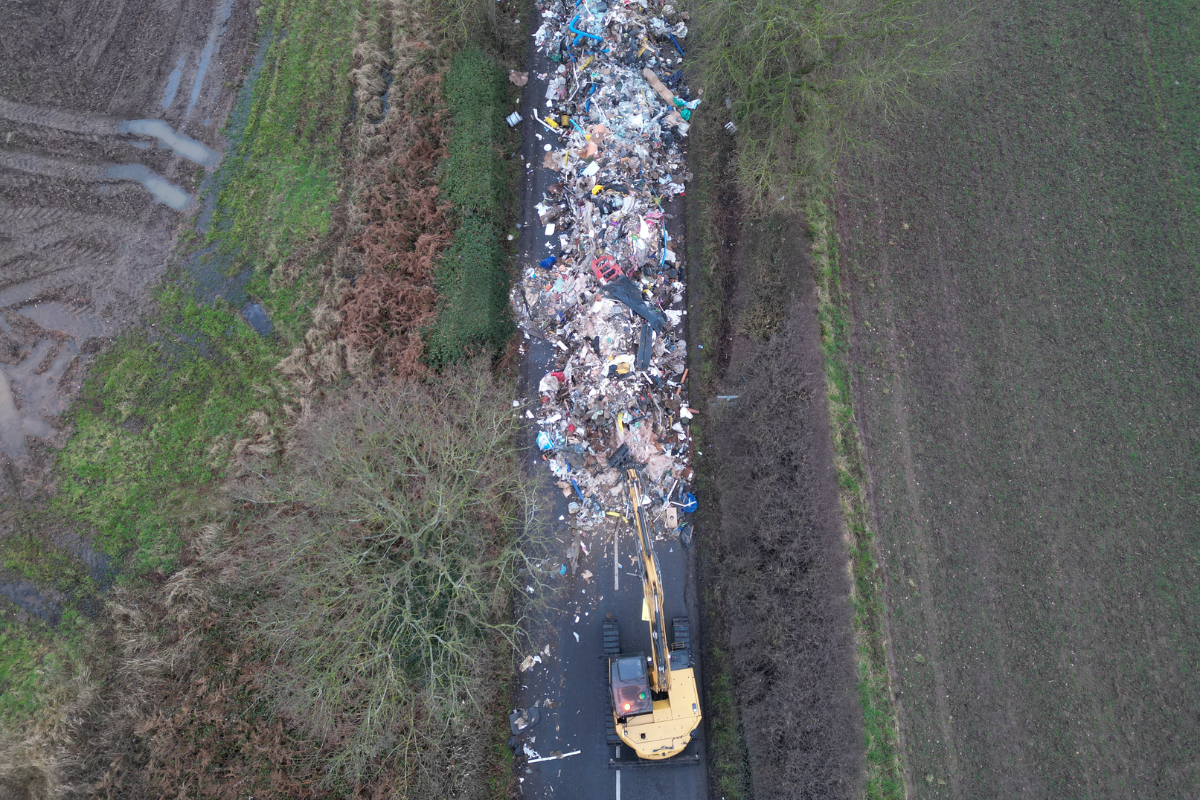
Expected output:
(630, 685)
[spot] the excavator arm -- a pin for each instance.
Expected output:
(652, 598)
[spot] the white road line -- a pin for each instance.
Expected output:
(618, 784)
(616, 561)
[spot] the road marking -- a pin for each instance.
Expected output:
(616, 561)
(618, 784)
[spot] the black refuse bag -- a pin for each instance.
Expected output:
(645, 347)
(624, 290)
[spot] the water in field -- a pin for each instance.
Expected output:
(159, 187)
(210, 48)
(173, 83)
(186, 146)
(29, 389)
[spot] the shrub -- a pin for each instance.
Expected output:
(471, 278)
(796, 74)
(388, 555)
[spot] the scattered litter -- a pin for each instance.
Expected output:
(513, 118)
(529, 661)
(518, 78)
(533, 759)
(606, 291)
(522, 719)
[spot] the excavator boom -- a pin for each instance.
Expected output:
(652, 600)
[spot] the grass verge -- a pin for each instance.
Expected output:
(726, 745)
(157, 421)
(281, 176)
(472, 277)
(885, 775)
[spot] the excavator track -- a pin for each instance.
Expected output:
(681, 634)
(612, 638)
(612, 647)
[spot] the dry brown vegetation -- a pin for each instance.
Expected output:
(784, 719)
(342, 629)
(779, 583)
(405, 230)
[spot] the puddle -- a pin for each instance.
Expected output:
(34, 380)
(56, 316)
(173, 83)
(210, 48)
(13, 426)
(162, 189)
(186, 146)
(27, 597)
(386, 74)
(256, 315)
(38, 393)
(100, 567)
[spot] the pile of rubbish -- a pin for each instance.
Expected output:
(608, 293)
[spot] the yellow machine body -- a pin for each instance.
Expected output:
(667, 729)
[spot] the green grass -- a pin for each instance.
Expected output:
(35, 663)
(880, 726)
(33, 557)
(155, 424)
(726, 747)
(472, 278)
(280, 180)
(22, 657)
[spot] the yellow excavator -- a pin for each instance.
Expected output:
(655, 704)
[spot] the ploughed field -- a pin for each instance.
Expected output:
(110, 117)
(1023, 276)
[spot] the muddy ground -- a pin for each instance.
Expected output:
(773, 560)
(1023, 274)
(110, 118)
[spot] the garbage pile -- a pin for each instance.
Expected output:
(608, 293)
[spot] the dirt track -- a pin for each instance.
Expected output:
(88, 207)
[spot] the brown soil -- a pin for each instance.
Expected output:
(68, 231)
(773, 559)
(1023, 284)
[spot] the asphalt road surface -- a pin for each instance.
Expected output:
(569, 684)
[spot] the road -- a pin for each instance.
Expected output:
(569, 685)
